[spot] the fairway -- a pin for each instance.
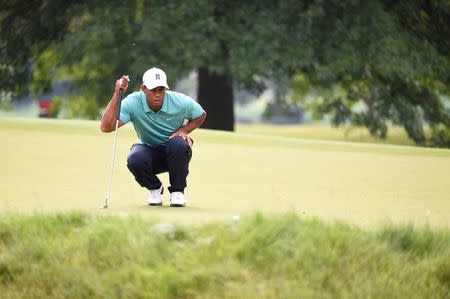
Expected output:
(62, 165)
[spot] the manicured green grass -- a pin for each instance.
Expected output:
(396, 135)
(61, 165)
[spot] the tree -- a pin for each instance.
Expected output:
(27, 29)
(386, 73)
(389, 60)
(230, 43)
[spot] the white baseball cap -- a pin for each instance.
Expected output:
(154, 77)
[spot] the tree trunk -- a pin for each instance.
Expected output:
(215, 95)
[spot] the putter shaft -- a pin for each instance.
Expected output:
(114, 152)
(112, 166)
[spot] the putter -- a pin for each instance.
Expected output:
(105, 206)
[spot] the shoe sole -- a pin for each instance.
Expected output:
(173, 205)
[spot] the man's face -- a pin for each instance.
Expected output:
(155, 96)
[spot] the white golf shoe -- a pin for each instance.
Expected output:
(154, 197)
(177, 199)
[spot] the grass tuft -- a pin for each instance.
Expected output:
(75, 255)
(417, 242)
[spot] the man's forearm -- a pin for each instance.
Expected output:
(194, 124)
(110, 115)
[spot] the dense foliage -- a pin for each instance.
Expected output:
(375, 63)
(385, 65)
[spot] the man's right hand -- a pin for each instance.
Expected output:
(109, 117)
(122, 83)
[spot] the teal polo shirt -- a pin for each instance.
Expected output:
(154, 128)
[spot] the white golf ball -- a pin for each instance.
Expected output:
(236, 218)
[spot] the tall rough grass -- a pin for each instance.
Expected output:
(80, 256)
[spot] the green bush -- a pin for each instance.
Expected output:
(5, 101)
(6, 106)
(55, 108)
(440, 137)
(82, 108)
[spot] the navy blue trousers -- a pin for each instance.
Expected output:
(145, 162)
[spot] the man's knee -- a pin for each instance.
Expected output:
(178, 145)
(136, 159)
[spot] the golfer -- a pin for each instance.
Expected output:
(162, 120)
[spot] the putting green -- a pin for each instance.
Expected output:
(61, 165)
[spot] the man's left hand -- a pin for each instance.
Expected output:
(183, 135)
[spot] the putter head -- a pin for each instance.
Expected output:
(105, 206)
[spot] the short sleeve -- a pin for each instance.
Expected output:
(125, 110)
(194, 110)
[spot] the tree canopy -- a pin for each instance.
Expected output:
(387, 71)
(376, 63)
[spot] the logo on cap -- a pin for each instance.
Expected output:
(157, 77)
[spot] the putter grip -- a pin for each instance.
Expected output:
(120, 102)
